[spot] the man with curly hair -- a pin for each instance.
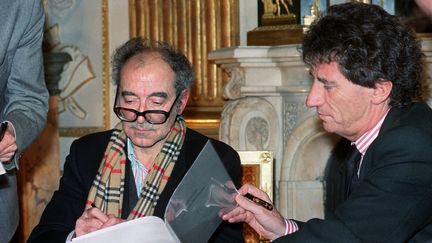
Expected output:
(366, 70)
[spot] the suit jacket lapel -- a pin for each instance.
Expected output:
(392, 120)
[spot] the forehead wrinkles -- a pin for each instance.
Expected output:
(144, 59)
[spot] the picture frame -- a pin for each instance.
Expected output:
(80, 28)
(257, 169)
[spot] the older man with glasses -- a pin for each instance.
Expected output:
(132, 170)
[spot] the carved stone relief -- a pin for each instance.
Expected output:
(257, 132)
(294, 111)
(250, 124)
(232, 88)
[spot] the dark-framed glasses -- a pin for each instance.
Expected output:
(151, 116)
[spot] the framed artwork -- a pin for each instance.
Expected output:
(257, 168)
(80, 29)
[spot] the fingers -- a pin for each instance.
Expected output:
(240, 214)
(250, 205)
(96, 213)
(8, 147)
(91, 220)
(247, 188)
(112, 220)
(235, 215)
(86, 225)
(268, 223)
(7, 157)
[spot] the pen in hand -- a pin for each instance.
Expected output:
(3, 129)
(259, 201)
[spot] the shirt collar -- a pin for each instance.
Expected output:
(368, 137)
(131, 154)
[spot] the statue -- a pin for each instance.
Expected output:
(279, 25)
(270, 8)
(278, 2)
(314, 13)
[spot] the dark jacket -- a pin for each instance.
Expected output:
(82, 163)
(393, 200)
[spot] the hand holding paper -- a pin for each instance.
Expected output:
(192, 214)
(267, 223)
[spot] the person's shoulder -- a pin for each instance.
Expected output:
(408, 127)
(417, 114)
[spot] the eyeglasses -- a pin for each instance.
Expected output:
(151, 116)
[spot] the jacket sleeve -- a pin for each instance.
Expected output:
(26, 95)
(393, 200)
(66, 205)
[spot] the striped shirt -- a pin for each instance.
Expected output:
(139, 170)
(367, 138)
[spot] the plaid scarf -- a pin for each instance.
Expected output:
(108, 186)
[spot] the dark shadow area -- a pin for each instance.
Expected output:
(334, 182)
(412, 15)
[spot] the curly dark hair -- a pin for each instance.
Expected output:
(370, 46)
(182, 68)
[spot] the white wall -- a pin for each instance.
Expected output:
(118, 33)
(248, 18)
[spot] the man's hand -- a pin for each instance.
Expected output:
(269, 224)
(93, 219)
(8, 146)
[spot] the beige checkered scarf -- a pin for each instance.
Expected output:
(108, 187)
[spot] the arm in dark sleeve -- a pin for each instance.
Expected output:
(393, 200)
(67, 203)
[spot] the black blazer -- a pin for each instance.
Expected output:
(82, 163)
(393, 200)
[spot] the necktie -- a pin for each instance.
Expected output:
(352, 167)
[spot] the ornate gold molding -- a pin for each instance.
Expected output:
(196, 28)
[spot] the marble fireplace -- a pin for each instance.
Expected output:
(265, 110)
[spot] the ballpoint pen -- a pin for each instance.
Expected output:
(259, 201)
(3, 129)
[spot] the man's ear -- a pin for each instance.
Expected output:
(382, 91)
(184, 99)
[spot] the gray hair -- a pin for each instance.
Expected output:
(182, 68)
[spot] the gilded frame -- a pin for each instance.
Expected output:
(261, 162)
(257, 168)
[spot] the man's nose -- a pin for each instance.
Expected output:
(315, 96)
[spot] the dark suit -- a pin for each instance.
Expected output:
(393, 200)
(67, 204)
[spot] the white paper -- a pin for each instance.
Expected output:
(192, 214)
(2, 170)
(150, 229)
